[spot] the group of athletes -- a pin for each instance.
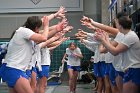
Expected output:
(117, 50)
(28, 54)
(116, 59)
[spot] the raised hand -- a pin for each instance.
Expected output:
(66, 38)
(85, 19)
(63, 39)
(68, 29)
(45, 21)
(60, 13)
(63, 24)
(87, 22)
(81, 34)
(59, 35)
(100, 35)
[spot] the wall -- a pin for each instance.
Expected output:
(10, 22)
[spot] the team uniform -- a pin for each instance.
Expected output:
(35, 61)
(131, 58)
(73, 62)
(117, 62)
(18, 56)
(110, 70)
(45, 63)
(99, 59)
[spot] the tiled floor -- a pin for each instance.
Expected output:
(81, 88)
(3, 88)
(63, 88)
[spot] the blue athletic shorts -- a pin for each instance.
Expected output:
(112, 74)
(107, 68)
(132, 74)
(29, 73)
(34, 69)
(45, 71)
(75, 68)
(2, 68)
(99, 69)
(11, 75)
(120, 73)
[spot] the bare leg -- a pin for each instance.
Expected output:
(23, 86)
(114, 88)
(107, 84)
(12, 90)
(119, 83)
(100, 84)
(42, 84)
(71, 79)
(75, 80)
(96, 86)
(130, 87)
(33, 81)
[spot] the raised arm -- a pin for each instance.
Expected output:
(57, 28)
(57, 43)
(106, 28)
(38, 38)
(59, 14)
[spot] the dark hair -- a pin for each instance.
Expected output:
(125, 22)
(121, 14)
(12, 34)
(33, 22)
(72, 43)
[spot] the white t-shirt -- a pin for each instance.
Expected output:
(93, 46)
(109, 58)
(34, 54)
(72, 60)
(90, 45)
(131, 57)
(20, 49)
(117, 63)
(45, 56)
(102, 57)
(91, 37)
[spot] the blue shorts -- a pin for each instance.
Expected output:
(132, 74)
(34, 69)
(75, 68)
(120, 73)
(11, 75)
(2, 68)
(112, 74)
(29, 73)
(45, 71)
(107, 68)
(99, 69)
